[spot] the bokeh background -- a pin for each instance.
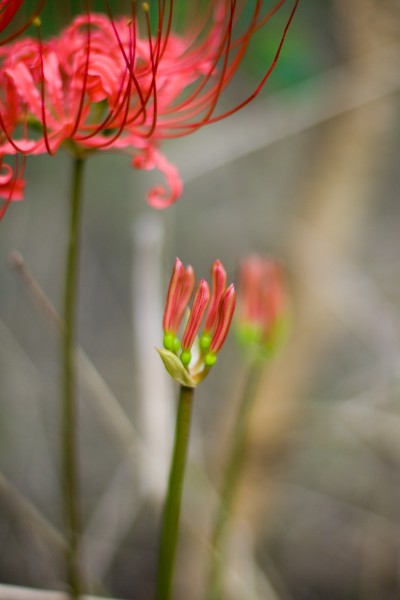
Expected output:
(309, 174)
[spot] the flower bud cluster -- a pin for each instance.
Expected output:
(215, 307)
(262, 317)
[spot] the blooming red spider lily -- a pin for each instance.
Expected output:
(128, 83)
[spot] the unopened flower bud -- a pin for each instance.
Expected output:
(225, 314)
(218, 320)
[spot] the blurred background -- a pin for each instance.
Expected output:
(308, 174)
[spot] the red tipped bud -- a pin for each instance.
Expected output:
(218, 275)
(186, 291)
(180, 289)
(200, 303)
(173, 294)
(225, 314)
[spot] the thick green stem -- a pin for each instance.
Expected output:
(70, 473)
(232, 474)
(170, 525)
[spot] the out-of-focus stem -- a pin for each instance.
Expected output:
(170, 525)
(229, 484)
(70, 471)
(12, 592)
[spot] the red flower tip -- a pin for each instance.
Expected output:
(225, 313)
(174, 290)
(199, 306)
(218, 277)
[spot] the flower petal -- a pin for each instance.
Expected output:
(160, 196)
(175, 368)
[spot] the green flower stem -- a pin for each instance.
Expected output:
(70, 474)
(230, 481)
(170, 525)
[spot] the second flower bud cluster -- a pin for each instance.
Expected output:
(216, 306)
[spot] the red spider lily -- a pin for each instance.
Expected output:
(199, 306)
(222, 306)
(225, 313)
(218, 277)
(262, 304)
(104, 84)
(179, 292)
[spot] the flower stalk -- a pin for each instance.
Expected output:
(262, 327)
(170, 524)
(177, 358)
(70, 471)
(232, 472)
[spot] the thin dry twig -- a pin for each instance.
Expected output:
(31, 514)
(108, 406)
(103, 525)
